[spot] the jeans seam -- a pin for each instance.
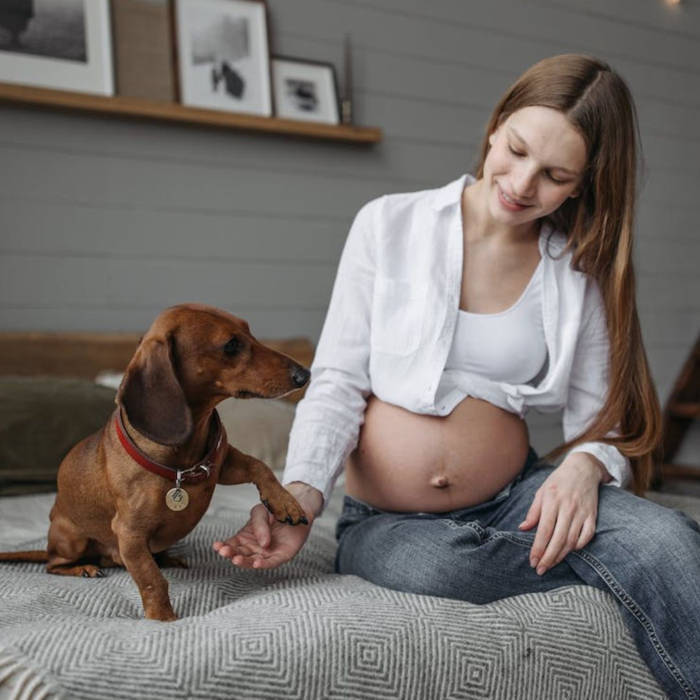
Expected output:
(476, 527)
(632, 605)
(626, 600)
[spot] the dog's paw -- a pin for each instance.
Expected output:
(162, 615)
(286, 509)
(90, 571)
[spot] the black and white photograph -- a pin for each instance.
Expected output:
(53, 28)
(63, 44)
(223, 51)
(305, 90)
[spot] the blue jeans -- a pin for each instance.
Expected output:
(645, 555)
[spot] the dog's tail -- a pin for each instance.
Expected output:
(40, 555)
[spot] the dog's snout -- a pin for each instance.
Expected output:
(300, 376)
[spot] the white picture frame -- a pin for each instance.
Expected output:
(305, 90)
(224, 56)
(58, 44)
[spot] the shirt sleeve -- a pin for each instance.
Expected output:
(588, 387)
(328, 419)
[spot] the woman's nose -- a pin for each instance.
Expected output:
(523, 183)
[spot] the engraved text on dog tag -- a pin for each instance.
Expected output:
(177, 499)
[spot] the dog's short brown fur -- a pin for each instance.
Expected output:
(109, 510)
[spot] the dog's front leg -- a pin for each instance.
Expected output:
(139, 562)
(240, 468)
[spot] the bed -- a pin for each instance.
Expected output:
(298, 631)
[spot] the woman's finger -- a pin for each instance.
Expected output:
(245, 561)
(244, 550)
(268, 560)
(229, 549)
(572, 539)
(547, 521)
(587, 532)
(533, 514)
(558, 540)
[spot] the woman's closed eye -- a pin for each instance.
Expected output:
(519, 154)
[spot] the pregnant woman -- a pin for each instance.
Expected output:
(455, 310)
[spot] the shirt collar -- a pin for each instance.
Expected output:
(451, 193)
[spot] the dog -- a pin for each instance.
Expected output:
(141, 483)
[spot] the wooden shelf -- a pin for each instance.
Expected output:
(171, 111)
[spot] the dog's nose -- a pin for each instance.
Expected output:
(300, 376)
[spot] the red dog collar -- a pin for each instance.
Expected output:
(198, 472)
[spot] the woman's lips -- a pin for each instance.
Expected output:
(510, 206)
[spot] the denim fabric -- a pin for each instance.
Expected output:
(645, 555)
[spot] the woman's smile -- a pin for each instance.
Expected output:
(508, 202)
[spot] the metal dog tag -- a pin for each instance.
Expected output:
(177, 498)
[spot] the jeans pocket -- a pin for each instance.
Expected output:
(354, 512)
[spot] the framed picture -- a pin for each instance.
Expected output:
(305, 90)
(60, 44)
(223, 55)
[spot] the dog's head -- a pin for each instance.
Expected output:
(192, 357)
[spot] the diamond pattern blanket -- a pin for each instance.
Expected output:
(301, 631)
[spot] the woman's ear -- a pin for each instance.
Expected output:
(499, 124)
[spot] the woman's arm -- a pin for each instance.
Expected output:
(588, 387)
(565, 507)
(328, 419)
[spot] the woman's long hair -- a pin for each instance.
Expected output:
(599, 226)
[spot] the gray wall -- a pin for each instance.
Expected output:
(105, 222)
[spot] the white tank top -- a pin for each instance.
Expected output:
(507, 346)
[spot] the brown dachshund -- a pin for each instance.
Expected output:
(141, 483)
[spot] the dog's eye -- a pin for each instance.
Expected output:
(233, 346)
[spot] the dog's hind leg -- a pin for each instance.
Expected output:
(67, 549)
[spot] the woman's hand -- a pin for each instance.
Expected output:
(566, 508)
(263, 542)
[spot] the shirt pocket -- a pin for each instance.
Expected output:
(398, 311)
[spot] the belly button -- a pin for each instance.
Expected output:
(439, 482)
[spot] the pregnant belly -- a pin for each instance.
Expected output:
(410, 462)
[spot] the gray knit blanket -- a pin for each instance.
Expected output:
(301, 631)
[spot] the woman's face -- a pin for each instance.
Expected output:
(535, 162)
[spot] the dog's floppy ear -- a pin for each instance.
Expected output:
(151, 395)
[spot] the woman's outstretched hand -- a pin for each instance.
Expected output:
(264, 542)
(566, 508)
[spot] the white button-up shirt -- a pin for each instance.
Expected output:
(390, 324)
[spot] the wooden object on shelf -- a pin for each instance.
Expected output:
(144, 52)
(681, 410)
(168, 111)
(346, 99)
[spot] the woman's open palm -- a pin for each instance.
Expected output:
(264, 542)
